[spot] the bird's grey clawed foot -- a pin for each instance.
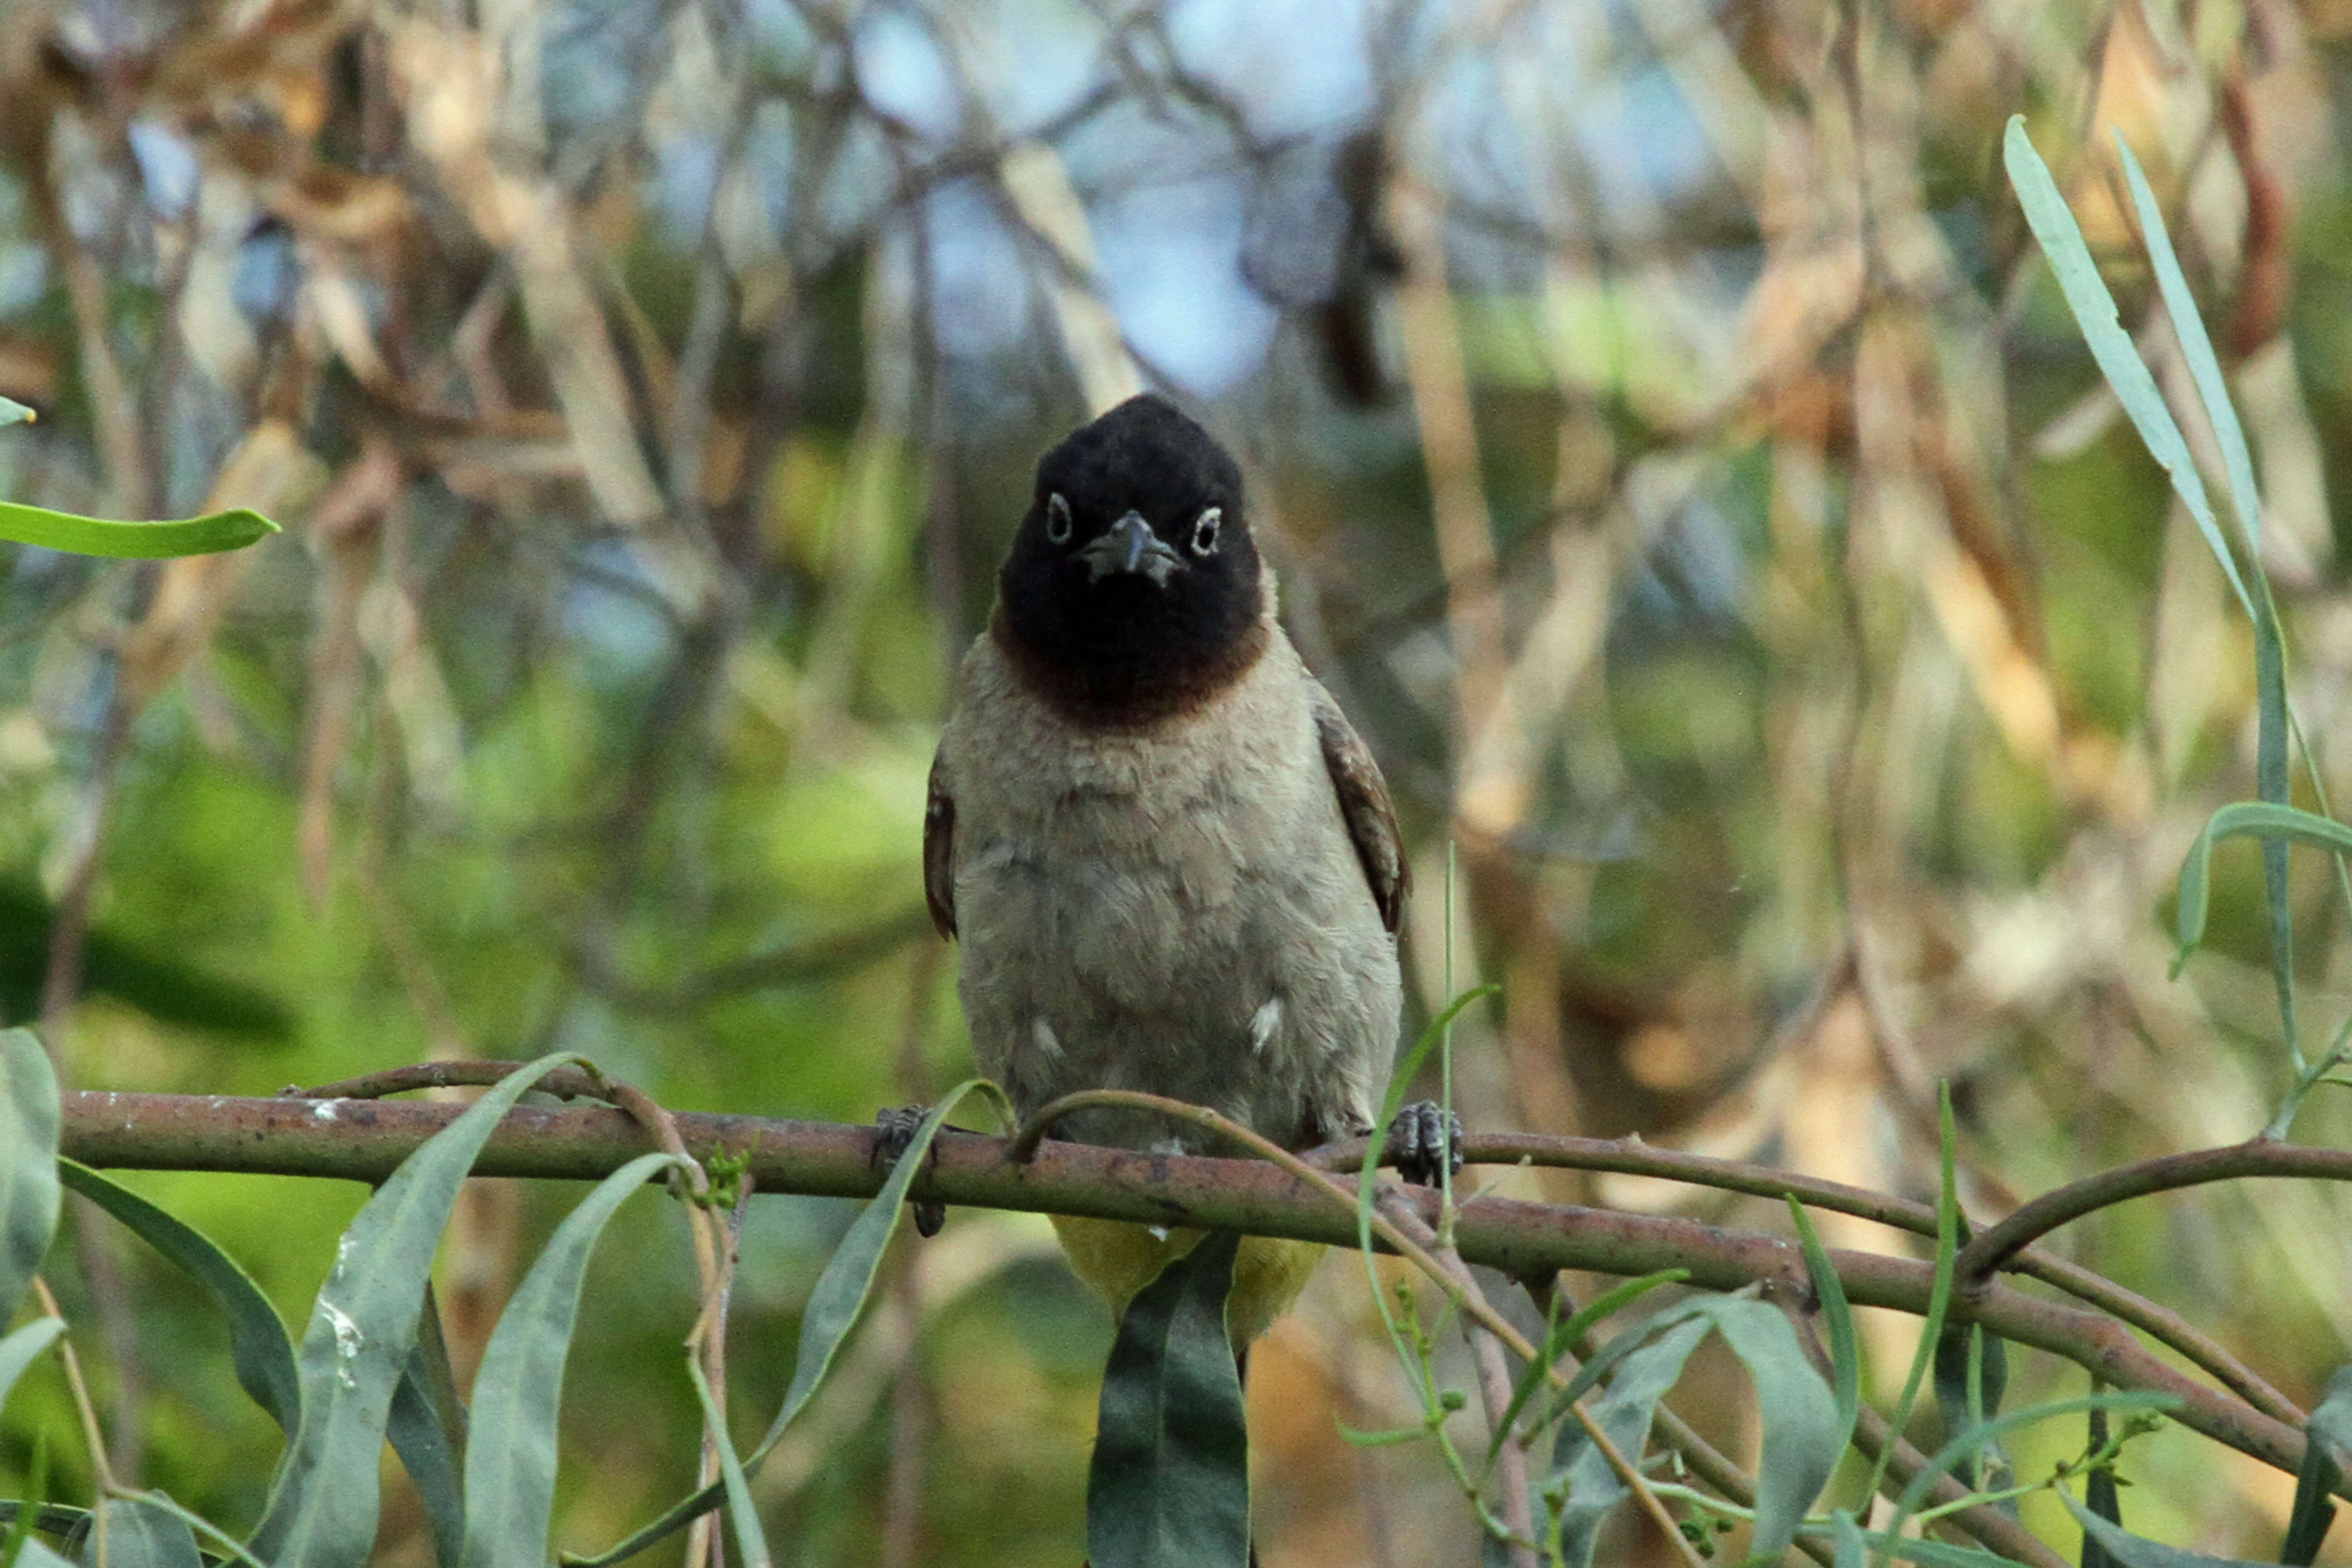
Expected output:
(1425, 1142)
(893, 1129)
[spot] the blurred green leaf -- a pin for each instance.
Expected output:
(1933, 1554)
(1168, 1487)
(258, 1347)
(2329, 1431)
(14, 413)
(2133, 1551)
(21, 524)
(510, 1454)
(141, 1534)
(28, 1163)
(323, 1501)
(164, 986)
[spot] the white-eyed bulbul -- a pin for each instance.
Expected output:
(1172, 864)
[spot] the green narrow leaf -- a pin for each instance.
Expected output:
(1939, 1295)
(1804, 1436)
(322, 1502)
(1642, 1375)
(751, 1542)
(2134, 1552)
(2329, 1431)
(420, 1431)
(518, 1392)
(20, 1350)
(2243, 818)
(2270, 654)
(1168, 1487)
(258, 1347)
(141, 1534)
(2060, 239)
(834, 1309)
(1845, 1346)
(2196, 348)
(1562, 1338)
(21, 524)
(28, 1163)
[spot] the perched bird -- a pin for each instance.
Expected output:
(1172, 864)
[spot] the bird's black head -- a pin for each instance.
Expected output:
(1131, 592)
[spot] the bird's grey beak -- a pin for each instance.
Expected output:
(1131, 547)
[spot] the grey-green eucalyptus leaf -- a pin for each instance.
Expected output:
(510, 1454)
(323, 1502)
(2136, 1552)
(141, 1533)
(259, 1350)
(1168, 1487)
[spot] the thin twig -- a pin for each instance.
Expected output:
(1996, 1244)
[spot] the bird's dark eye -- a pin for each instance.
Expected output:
(1205, 530)
(1057, 518)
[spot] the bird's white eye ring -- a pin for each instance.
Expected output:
(1057, 520)
(1205, 530)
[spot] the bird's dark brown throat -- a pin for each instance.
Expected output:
(1122, 650)
(1129, 694)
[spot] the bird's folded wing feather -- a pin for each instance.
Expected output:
(1364, 803)
(939, 848)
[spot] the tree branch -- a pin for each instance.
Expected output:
(366, 1140)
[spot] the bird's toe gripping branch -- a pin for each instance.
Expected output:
(1425, 1142)
(893, 1129)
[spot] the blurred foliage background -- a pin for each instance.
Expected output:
(1678, 462)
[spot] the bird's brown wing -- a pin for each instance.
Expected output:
(1364, 803)
(939, 848)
